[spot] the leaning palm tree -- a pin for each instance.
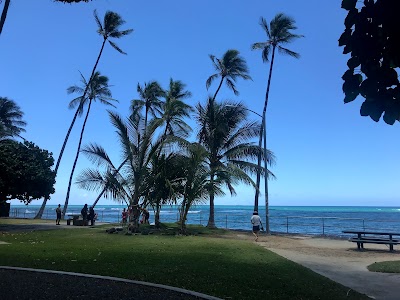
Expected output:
(225, 133)
(110, 28)
(97, 90)
(229, 68)
(150, 95)
(278, 34)
(11, 123)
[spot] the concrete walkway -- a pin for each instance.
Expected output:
(340, 261)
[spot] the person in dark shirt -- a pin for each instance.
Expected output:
(84, 213)
(91, 216)
(58, 212)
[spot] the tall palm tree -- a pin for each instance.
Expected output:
(278, 34)
(11, 123)
(98, 90)
(83, 101)
(150, 95)
(110, 28)
(224, 133)
(230, 67)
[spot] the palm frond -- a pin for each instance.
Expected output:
(288, 52)
(231, 85)
(265, 26)
(99, 25)
(210, 80)
(116, 47)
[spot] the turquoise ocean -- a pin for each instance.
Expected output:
(314, 220)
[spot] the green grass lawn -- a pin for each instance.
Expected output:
(385, 267)
(222, 267)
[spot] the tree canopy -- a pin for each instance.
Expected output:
(25, 171)
(372, 38)
(11, 123)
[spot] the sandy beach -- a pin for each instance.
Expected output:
(340, 261)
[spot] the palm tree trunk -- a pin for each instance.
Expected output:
(4, 14)
(220, 84)
(259, 169)
(269, 80)
(157, 215)
(41, 210)
(39, 214)
(265, 144)
(76, 160)
(211, 221)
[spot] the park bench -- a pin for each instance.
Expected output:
(373, 237)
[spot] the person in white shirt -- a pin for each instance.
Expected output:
(256, 221)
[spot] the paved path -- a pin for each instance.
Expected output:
(341, 262)
(27, 284)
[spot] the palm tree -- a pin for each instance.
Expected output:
(278, 34)
(229, 68)
(224, 133)
(127, 184)
(164, 182)
(150, 95)
(98, 90)
(11, 123)
(175, 109)
(4, 14)
(110, 28)
(196, 180)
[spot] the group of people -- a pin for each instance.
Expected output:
(88, 215)
(128, 212)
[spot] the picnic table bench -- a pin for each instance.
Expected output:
(76, 221)
(373, 237)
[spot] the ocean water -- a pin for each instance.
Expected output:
(314, 220)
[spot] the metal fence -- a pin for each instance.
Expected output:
(279, 224)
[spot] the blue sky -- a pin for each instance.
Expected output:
(327, 154)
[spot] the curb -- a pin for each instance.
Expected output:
(156, 285)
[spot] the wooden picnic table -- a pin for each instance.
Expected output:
(373, 237)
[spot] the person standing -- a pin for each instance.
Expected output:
(84, 213)
(58, 212)
(91, 215)
(124, 216)
(146, 216)
(256, 221)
